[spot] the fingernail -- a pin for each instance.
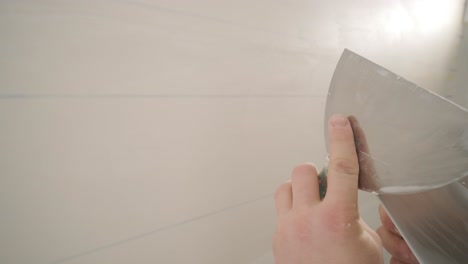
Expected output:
(338, 121)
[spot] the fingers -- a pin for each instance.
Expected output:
(305, 189)
(370, 231)
(392, 240)
(301, 191)
(343, 169)
(283, 198)
(396, 261)
(366, 164)
(396, 246)
(387, 222)
(359, 136)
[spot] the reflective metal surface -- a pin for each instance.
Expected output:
(412, 147)
(408, 139)
(434, 223)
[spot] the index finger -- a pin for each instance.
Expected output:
(343, 169)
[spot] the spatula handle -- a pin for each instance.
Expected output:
(322, 179)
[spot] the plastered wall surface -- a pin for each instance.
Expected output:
(157, 131)
(456, 87)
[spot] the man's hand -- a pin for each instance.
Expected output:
(328, 231)
(393, 242)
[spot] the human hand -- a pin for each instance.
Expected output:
(393, 242)
(311, 230)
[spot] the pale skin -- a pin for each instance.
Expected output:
(331, 230)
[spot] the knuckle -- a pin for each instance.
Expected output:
(298, 227)
(344, 166)
(338, 220)
(302, 227)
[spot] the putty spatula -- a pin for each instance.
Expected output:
(408, 139)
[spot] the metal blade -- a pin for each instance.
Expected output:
(408, 139)
(434, 223)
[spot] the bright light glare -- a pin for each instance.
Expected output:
(428, 16)
(399, 21)
(432, 16)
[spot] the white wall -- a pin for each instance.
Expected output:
(156, 131)
(456, 88)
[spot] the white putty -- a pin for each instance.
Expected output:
(404, 189)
